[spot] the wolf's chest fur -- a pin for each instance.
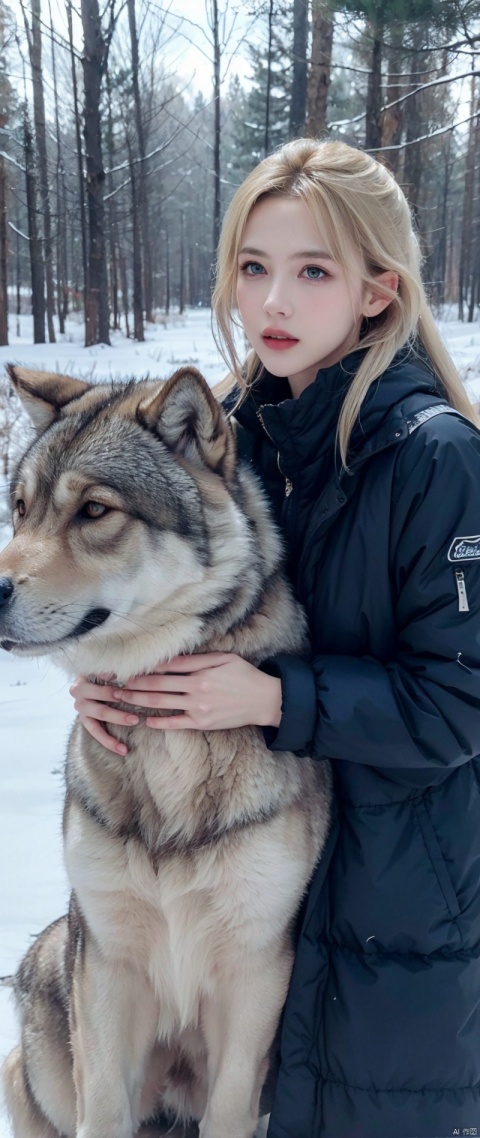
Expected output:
(178, 793)
(178, 923)
(183, 852)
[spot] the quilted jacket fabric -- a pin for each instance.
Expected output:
(381, 1031)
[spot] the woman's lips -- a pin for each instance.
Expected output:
(279, 344)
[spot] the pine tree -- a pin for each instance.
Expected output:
(381, 16)
(262, 116)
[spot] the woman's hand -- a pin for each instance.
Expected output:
(214, 691)
(91, 702)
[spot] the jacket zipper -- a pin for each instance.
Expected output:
(462, 591)
(288, 483)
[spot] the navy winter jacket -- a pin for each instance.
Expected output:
(381, 1031)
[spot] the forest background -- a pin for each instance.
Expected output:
(116, 169)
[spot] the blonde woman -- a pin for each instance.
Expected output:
(352, 413)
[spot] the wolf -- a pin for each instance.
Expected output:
(137, 538)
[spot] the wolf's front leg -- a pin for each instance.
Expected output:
(113, 1027)
(239, 1024)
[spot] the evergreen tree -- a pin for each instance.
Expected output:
(380, 17)
(262, 114)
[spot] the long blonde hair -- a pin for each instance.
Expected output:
(356, 203)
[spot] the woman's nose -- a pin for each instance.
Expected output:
(277, 301)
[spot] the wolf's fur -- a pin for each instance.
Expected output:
(162, 990)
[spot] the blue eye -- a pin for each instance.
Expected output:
(252, 269)
(314, 272)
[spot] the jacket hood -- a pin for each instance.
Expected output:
(304, 429)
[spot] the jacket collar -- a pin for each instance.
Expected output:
(304, 429)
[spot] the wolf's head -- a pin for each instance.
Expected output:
(129, 522)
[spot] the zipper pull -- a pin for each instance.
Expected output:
(288, 487)
(462, 591)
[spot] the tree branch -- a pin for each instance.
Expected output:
(426, 86)
(424, 137)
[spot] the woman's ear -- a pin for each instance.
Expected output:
(374, 303)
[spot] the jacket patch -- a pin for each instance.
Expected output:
(414, 421)
(465, 549)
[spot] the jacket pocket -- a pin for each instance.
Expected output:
(436, 857)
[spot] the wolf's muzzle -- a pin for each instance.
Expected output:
(92, 619)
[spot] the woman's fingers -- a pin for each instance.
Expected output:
(85, 689)
(88, 708)
(156, 682)
(98, 732)
(169, 699)
(183, 664)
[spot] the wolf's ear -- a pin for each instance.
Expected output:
(43, 393)
(187, 417)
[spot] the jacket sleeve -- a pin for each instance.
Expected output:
(416, 716)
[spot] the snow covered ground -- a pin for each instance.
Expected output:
(35, 707)
(463, 343)
(174, 341)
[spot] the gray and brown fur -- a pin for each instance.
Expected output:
(160, 993)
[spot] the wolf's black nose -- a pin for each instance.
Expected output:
(6, 589)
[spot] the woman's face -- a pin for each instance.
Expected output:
(298, 310)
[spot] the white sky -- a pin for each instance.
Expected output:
(191, 48)
(187, 38)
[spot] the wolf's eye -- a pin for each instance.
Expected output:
(20, 507)
(94, 510)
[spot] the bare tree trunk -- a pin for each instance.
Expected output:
(64, 248)
(3, 255)
(61, 242)
(451, 269)
(373, 123)
(192, 264)
(392, 125)
(298, 103)
(167, 273)
(475, 233)
(94, 57)
(464, 266)
(182, 265)
(467, 260)
(320, 69)
(78, 136)
(217, 204)
(34, 37)
(18, 268)
(138, 330)
(266, 144)
(35, 241)
(124, 284)
(442, 244)
(112, 209)
(143, 204)
(412, 167)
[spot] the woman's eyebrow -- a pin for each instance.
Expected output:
(313, 253)
(254, 252)
(320, 253)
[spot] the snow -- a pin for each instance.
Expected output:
(36, 709)
(169, 344)
(36, 713)
(463, 343)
